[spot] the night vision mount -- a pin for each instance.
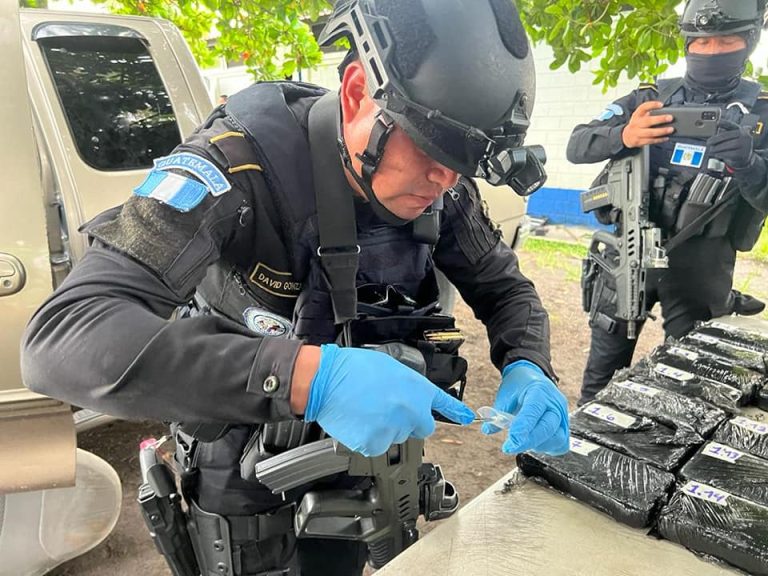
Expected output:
(497, 155)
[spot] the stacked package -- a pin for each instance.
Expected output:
(637, 436)
(725, 350)
(679, 418)
(747, 432)
(733, 471)
(629, 490)
(712, 521)
(680, 359)
(642, 396)
(672, 371)
(739, 336)
(721, 507)
(730, 337)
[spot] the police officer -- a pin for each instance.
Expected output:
(719, 37)
(231, 219)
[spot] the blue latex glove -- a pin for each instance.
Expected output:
(540, 409)
(368, 401)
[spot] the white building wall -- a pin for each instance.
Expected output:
(564, 100)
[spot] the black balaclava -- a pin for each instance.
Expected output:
(716, 72)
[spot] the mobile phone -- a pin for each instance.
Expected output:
(691, 121)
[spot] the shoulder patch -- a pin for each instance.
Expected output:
(201, 168)
(648, 86)
(763, 96)
(176, 191)
(610, 111)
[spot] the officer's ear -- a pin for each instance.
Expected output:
(354, 92)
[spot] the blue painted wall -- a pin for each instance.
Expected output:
(560, 206)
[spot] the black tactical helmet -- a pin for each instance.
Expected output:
(723, 17)
(457, 77)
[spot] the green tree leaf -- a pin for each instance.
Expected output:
(639, 38)
(272, 37)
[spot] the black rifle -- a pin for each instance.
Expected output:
(636, 245)
(382, 513)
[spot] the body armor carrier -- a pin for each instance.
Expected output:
(396, 293)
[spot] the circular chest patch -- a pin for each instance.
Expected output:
(265, 323)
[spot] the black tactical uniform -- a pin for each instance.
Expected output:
(259, 277)
(697, 284)
(196, 295)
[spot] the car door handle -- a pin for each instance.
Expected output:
(12, 274)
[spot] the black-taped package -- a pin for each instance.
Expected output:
(747, 381)
(713, 522)
(721, 395)
(625, 488)
(725, 350)
(641, 396)
(762, 398)
(726, 468)
(633, 435)
(745, 433)
(739, 336)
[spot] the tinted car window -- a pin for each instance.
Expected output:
(118, 109)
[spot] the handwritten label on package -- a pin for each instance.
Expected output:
(609, 415)
(582, 447)
(751, 425)
(706, 493)
(706, 338)
(636, 387)
(723, 326)
(689, 354)
(722, 452)
(674, 373)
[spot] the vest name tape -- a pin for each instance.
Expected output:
(176, 191)
(202, 169)
(276, 283)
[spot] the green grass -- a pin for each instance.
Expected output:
(556, 254)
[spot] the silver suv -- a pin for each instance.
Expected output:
(90, 100)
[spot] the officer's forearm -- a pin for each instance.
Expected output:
(590, 144)
(304, 371)
(102, 342)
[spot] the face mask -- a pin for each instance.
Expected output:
(716, 72)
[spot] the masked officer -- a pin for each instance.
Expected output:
(719, 37)
(236, 219)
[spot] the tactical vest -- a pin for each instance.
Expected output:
(282, 276)
(248, 285)
(668, 204)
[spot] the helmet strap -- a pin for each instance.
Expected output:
(370, 160)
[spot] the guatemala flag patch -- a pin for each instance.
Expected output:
(179, 192)
(176, 191)
(610, 111)
(201, 168)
